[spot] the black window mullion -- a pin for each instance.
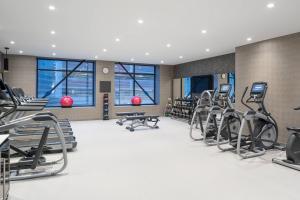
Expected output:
(134, 75)
(66, 90)
(94, 82)
(133, 80)
(52, 70)
(154, 79)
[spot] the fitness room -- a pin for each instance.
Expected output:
(152, 100)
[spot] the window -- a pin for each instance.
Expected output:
(187, 86)
(216, 81)
(231, 81)
(134, 80)
(79, 85)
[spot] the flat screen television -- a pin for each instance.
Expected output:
(201, 83)
(1, 61)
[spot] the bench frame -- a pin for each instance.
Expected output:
(123, 116)
(142, 121)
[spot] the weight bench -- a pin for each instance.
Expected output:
(123, 116)
(137, 121)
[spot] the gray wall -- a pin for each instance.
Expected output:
(22, 73)
(276, 61)
(215, 65)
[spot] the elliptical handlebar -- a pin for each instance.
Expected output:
(242, 99)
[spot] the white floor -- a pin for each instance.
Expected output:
(164, 164)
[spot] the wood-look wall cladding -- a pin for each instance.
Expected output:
(276, 61)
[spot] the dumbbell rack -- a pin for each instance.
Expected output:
(105, 107)
(183, 108)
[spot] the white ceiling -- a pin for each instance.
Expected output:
(84, 27)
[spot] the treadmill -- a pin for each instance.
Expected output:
(28, 136)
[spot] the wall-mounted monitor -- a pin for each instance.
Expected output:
(1, 61)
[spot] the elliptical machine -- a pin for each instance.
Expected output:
(262, 126)
(292, 149)
(201, 112)
(222, 102)
(217, 104)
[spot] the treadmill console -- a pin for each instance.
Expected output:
(258, 89)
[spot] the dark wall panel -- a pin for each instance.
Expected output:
(215, 65)
(1, 61)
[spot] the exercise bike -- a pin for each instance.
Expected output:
(292, 149)
(263, 129)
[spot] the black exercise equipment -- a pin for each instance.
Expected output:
(32, 163)
(123, 116)
(149, 121)
(292, 149)
(32, 132)
(183, 108)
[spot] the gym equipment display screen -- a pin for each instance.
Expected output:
(258, 88)
(224, 88)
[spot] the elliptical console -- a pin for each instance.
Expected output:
(223, 93)
(258, 90)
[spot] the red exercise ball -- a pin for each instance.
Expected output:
(136, 100)
(66, 102)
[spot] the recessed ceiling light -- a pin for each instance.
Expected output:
(132, 59)
(207, 50)
(180, 57)
(147, 53)
(52, 32)
(53, 45)
(53, 54)
(51, 7)
(249, 39)
(12, 42)
(140, 21)
(162, 62)
(204, 31)
(20, 51)
(117, 39)
(168, 45)
(270, 5)
(96, 57)
(104, 50)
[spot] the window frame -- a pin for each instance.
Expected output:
(154, 74)
(231, 75)
(66, 71)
